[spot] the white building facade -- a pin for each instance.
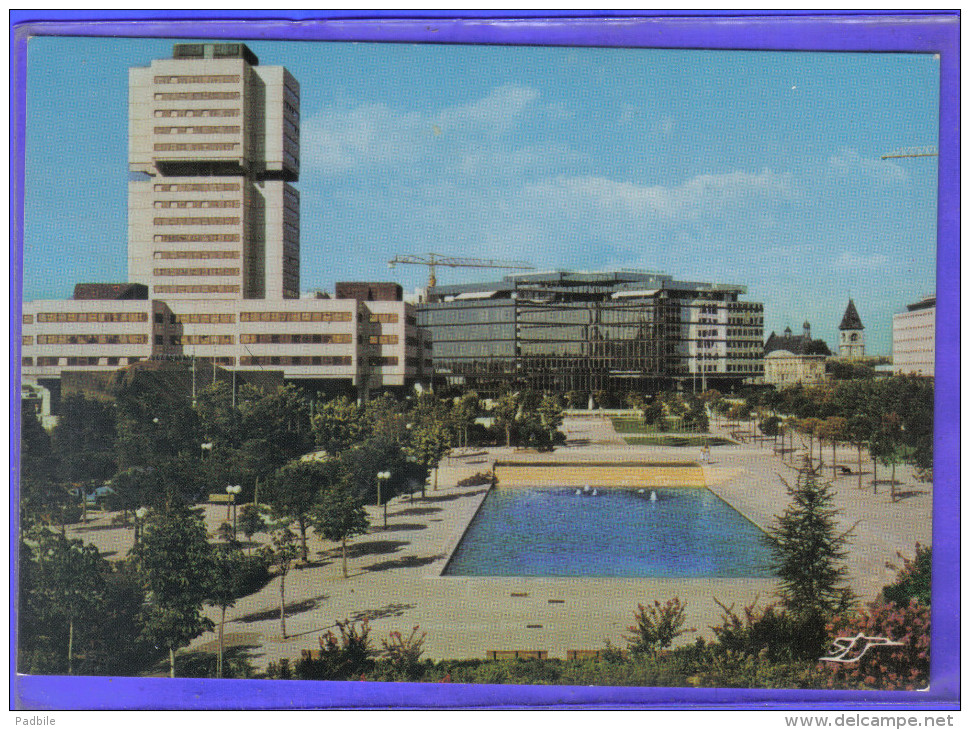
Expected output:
(914, 339)
(214, 245)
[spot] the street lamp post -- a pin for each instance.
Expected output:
(382, 476)
(139, 516)
(232, 491)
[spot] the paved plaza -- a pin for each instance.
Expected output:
(395, 579)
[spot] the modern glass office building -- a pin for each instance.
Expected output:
(617, 331)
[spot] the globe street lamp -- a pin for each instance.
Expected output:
(139, 516)
(232, 491)
(382, 476)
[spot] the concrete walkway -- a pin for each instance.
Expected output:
(395, 579)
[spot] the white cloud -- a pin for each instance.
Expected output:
(546, 158)
(859, 263)
(375, 135)
(701, 197)
(848, 163)
(495, 113)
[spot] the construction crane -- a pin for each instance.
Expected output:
(431, 260)
(912, 152)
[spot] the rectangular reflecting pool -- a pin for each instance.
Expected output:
(610, 532)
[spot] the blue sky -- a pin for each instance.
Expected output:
(757, 168)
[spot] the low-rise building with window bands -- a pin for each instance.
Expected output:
(617, 331)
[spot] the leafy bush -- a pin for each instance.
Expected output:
(885, 667)
(738, 669)
(279, 670)
(769, 633)
(404, 654)
(657, 626)
(348, 657)
(912, 580)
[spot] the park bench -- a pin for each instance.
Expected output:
(515, 654)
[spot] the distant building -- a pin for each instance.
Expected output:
(914, 339)
(616, 331)
(214, 247)
(793, 359)
(852, 340)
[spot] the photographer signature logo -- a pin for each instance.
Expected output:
(847, 650)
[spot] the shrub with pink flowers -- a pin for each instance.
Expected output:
(905, 667)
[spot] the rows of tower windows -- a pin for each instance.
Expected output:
(197, 96)
(295, 317)
(196, 254)
(208, 129)
(296, 360)
(196, 113)
(207, 79)
(195, 187)
(91, 317)
(384, 317)
(296, 339)
(28, 319)
(92, 339)
(196, 147)
(291, 95)
(196, 221)
(384, 340)
(197, 340)
(197, 238)
(54, 360)
(196, 288)
(382, 361)
(196, 203)
(218, 271)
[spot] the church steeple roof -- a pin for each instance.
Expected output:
(851, 320)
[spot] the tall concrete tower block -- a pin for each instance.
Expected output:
(852, 340)
(214, 145)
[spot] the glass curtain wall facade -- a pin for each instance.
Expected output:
(592, 331)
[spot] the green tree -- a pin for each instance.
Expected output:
(66, 584)
(41, 495)
(429, 443)
(224, 588)
(251, 521)
(653, 412)
(834, 430)
(505, 411)
(281, 553)
(173, 559)
(858, 430)
(809, 553)
(339, 424)
(84, 442)
(464, 411)
(275, 429)
(550, 414)
(338, 517)
(295, 488)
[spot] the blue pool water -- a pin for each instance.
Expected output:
(685, 533)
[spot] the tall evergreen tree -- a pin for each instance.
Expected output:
(809, 552)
